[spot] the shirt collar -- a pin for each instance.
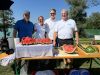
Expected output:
(25, 21)
(63, 20)
(52, 20)
(40, 24)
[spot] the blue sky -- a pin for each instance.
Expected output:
(42, 7)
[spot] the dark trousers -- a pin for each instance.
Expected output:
(56, 42)
(65, 41)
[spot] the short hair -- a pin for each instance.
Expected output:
(27, 12)
(53, 10)
(64, 10)
(40, 16)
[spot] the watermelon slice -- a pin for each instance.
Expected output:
(28, 41)
(68, 48)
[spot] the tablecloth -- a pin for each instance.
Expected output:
(33, 50)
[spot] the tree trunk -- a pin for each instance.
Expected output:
(4, 29)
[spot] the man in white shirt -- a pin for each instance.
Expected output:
(64, 30)
(50, 25)
(40, 28)
(51, 22)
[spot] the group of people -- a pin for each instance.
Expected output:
(60, 32)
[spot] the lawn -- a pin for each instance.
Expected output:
(6, 70)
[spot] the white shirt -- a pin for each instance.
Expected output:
(40, 30)
(65, 29)
(50, 27)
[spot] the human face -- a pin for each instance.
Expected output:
(41, 20)
(64, 15)
(26, 17)
(52, 14)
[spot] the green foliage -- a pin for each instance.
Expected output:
(91, 3)
(6, 21)
(93, 21)
(77, 11)
(7, 16)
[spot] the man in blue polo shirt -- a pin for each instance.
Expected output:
(24, 27)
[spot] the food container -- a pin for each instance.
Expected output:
(81, 52)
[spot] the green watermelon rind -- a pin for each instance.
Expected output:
(89, 49)
(93, 49)
(96, 49)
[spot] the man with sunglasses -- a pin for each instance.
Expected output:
(24, 27)
(51, 22)
(50, 25)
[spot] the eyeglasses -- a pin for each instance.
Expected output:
(41, 19)
(52, 13)
(27, 14)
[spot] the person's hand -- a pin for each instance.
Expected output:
(54, 43)
(77, 41)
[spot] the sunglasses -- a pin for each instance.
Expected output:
(27, 14)
(52, 13)
(41, 19)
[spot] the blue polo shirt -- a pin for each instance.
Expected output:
(24, 28)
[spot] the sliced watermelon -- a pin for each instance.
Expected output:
(28, 40)
(68, 48)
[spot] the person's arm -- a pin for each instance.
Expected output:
(46, 30)
(54, 38)
(15, 29)
(55, 35)
(34, 27)
(45, 34)
(77, 37)
(14, 33)
(76, 33)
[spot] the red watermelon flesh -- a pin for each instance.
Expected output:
(68, 48)
(28, 40)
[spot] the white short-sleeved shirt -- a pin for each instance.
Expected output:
(65, 29)
(50, 27)
(40, 30)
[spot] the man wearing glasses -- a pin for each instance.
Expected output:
(50, 25)
(51, 22)
(24, 27)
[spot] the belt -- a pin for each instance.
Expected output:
(67, 39)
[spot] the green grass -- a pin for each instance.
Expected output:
(6, 70)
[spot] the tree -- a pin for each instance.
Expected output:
(93, 21)
(6, 20)
(77, 10)
(78, 13)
